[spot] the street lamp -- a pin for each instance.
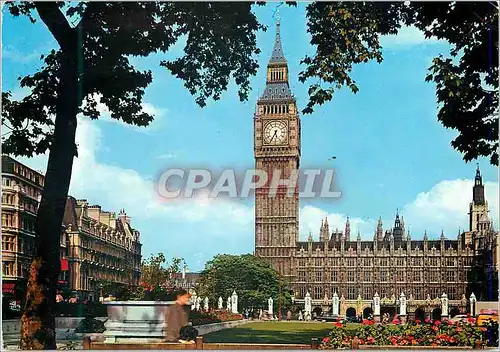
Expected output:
(279, 290)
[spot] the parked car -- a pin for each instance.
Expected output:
(459, 317)
(483, 318)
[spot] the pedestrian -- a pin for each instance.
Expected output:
(289, 316)
(176, 316)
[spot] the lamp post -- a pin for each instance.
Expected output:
(279, 290)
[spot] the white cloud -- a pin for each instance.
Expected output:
(148, 108)
(407, 35)
(445, 207)
(118, 188)
(311, 217)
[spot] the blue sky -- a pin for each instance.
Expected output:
(391, 150)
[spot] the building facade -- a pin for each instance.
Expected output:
(340, 262)
(95, 246)
(101, 248)
(22, 188)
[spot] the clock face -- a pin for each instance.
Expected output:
(276, 133)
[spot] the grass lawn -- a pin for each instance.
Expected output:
(273, 332)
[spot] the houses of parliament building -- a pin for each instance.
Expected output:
(341, 262)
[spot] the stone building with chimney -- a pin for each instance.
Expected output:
(102, 247)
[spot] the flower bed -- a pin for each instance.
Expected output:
(215, 316)
(413, 334)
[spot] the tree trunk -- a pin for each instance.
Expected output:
(38, 321)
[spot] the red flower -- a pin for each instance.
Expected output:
(337, 324)
(417, 321)
(471, 320)
(394, 341)
(395, 321)
(450, 322)
(483, 329)
(427, 320)
(326, 340)
(361, 342)
(437, 322)
(459, 329)
(370, 339)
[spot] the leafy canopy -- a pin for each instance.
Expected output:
(252, 278)
(348, 33)
(220, 46)
(157, 271)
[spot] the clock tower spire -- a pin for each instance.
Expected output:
(277, 151)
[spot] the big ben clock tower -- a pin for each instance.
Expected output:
(277, 149)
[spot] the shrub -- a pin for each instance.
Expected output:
(90, 325)
(414, 334)
(215, 316)
(188, 333)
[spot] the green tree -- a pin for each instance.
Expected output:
(156, 271)
(252, 278)
(348, 33)
(91, 64)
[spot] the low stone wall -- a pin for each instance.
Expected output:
(209, 328)
(486, 305)
(65, 329)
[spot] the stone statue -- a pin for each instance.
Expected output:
(193, 301)
(335, 300)
(473, 301)
(343, 306)
(402, 304)
(444, 305)
(376, 304)
(198, 303)
(261, 314)
(308, 304)
(359, 304)
(234, 303)
(301, 317)
(228, 304)
(220, 303)
(205, 304)
(270, 306)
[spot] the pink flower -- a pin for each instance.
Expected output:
(326, 340)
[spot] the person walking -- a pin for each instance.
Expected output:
(289, 316)
(176, 316)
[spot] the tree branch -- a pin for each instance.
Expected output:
(55, 21)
